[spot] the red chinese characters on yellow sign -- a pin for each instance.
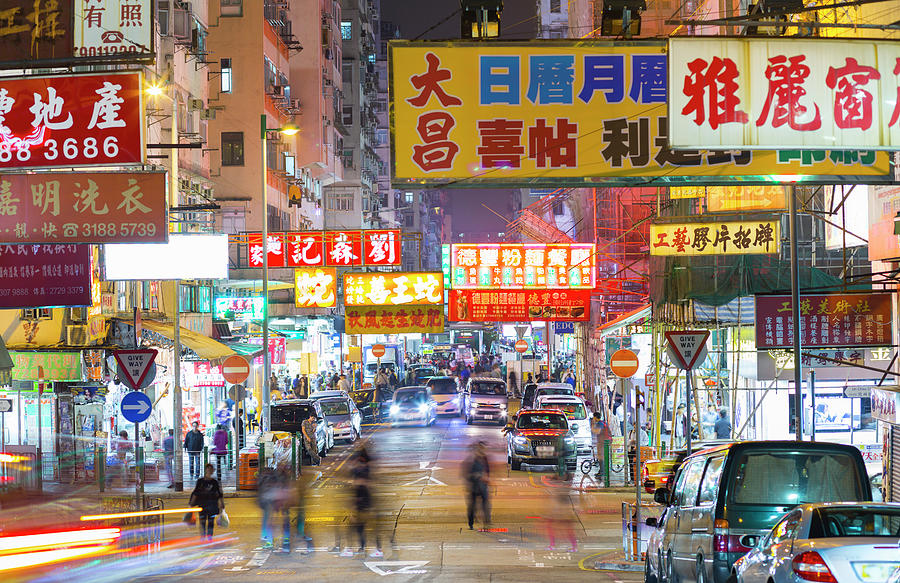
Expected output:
(393, 289)
(315, 287)
(83, 208)
(394, 319)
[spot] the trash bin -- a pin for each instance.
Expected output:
(248, 458)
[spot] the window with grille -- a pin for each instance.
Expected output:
(232, 148)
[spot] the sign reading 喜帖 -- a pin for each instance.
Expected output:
(393, 288)
(74, 120)
(57, 366)
(70, 207)
(826, 320)
(522, 265)
(332, 248)
(394, 319)
(468, 305)
(716, 238)
(777, 93)
(315, 287)
(45, 275)
(558, 111)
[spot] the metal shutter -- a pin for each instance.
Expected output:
(894, 453)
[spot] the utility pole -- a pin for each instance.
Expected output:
(795, 315)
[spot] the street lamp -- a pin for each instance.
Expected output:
(288, 130)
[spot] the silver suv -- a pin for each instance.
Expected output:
(485, 399)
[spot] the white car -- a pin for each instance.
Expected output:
(344, 417)
(830, 542)
(445, 393)
(577, 414)
(413, 405)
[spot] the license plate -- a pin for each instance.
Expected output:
(874, 572)
(545, 451)
(488, 416)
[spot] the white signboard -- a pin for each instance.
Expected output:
(196, 256)
(113, 27)
(781, 93)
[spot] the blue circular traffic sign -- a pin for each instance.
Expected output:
(136, 407)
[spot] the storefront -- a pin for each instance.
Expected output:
(885, 403)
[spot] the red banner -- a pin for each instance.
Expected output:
(35, 30)
(394, 319)
(826, 320)
(381, 247)
(343, 248)
(305, 249)
(83, 207)
(326, 248)
(76, 120)
(275, 249)
(519, 306)
(45, 275)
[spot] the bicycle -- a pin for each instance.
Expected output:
(592, 462)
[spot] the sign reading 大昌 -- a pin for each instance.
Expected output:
(776, 93)
(826, 320)
(516, 113)
(73, 120)
(70, 207)
(45, 275)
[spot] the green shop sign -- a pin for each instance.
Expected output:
(58, 366)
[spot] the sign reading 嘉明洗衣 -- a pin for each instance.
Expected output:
(715, 238)
(764, 93)
(826, 320)
(571, 111)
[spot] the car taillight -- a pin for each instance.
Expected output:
(810, 566)
(724, 542)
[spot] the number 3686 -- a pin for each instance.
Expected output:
(70, 149)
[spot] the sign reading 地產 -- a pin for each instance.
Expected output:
(394, 319)
(572, 111)
(315, 287)
(734, 198)
(35, 30)
(45, 275)
(321, 248)
(109, 28)
(239, 308)
(74, 120)
(522, 265)
(715, 238)
(393, 289)
(826, 320)
(781, 93)
(57, 366)
(468, 305)
(79, 207)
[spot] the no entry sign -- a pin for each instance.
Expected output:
(624, 363)
(235, 369)
(378, 350)
(521, 346)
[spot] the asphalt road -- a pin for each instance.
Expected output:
(421, 508)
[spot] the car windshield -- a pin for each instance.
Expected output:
(488, 388)
(789, 478)
(406, 397)
(424, 372)
(843, 522)
(335, 407)
(572, 410)
(443, 387)
(542, 421)
(289, 417)
(555, 391)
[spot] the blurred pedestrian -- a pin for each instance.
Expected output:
(513, 386)
(266, 492)
(304, 387)
(558, 520)
(251, 404)
(220, 448)
(381, 379)
(193, 445)
(361, 483)
(476, 472)
(208, 496)
(308, 429)
(708, 422)
(295, 387)
(123, 446)
(723, 426)
(343, 383)
(168, 446)
(601, 434)
(679, 425)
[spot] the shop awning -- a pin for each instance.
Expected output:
(205, 347)
(6, 365)
(245, 349)
(624, 320)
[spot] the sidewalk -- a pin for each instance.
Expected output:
(617, 562)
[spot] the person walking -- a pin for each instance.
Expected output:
(679, 425)
(193, 445)
(208, 496)
(476, 475)
(295, 386)
(123, 446)
(361, 480)
(266, 494)
(513, 386)
(708, 421)
(168, 445)
(343, 383)
(723, 426)
(601, 433)
(304, 387)
(308, 428)
(220, 448)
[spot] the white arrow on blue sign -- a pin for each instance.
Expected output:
(136, 407)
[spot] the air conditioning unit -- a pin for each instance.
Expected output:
(195, 104)
(77, 335)
(207, 114)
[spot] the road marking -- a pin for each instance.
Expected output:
(390, 567)
(429, 481)
(424, 466)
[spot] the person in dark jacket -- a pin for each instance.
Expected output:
(208, 496)
(220, 448)
(193, 445)
(476, 474)
(723, 426)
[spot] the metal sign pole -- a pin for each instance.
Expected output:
(795, 315)
(177, 408)
(687, 376)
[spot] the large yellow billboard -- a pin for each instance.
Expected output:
(572, 112)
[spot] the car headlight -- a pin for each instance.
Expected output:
(394, 409)
(519, 440)
(423, 407)
(503, 407)
(574, 427)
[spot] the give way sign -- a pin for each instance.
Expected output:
(687, 347)
(134, 365)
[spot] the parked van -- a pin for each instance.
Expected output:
(726, 497)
